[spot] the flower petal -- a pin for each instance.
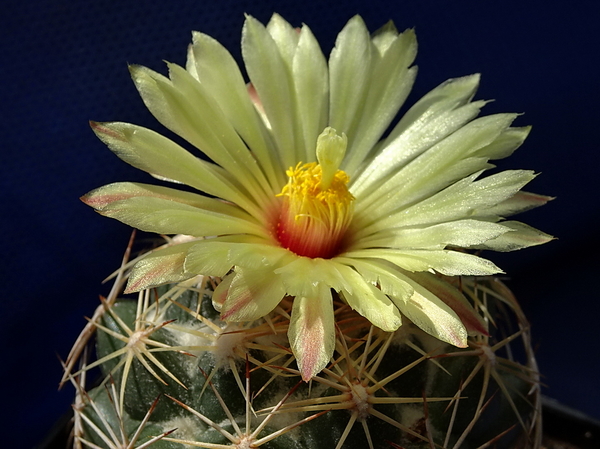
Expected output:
(389, 84)
(450, 263)
(219, 296)
(416, 302)
(252, 294)
(435, 116)
(311, 81)
(381, 273)
(519, 202)
(521, 236)
(216, 257)
(462, 233)
(461, 200)
(370, 301)
(312, 332)
(285, 37)
(448, 161)
(349, 72)
(103, 197)
(454, 299)
(159, 267)
(506, 143)
(434, 317)
(303, 276)
(215, 68)
(183, 105)
(159, 156)
(165, 216)
(271, 78)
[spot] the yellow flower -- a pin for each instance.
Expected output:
(306, 199)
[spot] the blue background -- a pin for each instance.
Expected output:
(65, 62)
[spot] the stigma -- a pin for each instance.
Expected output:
(317, 206)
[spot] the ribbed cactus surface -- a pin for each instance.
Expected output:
(176, 376)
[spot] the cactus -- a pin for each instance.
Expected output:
(346, 306)
(175, 375)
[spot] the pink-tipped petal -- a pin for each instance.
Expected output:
(520, 202)
(252, 295)
(159, 267)
(454, 299)
(312, 332)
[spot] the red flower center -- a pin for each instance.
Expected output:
(314, 216)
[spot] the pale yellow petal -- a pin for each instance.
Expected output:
(271, 77)
(163, 158)
(252, 294)
(450, 263)
(217, 70)
(216, 257)
(370, 301)
(434, 317)
(303, 276)
(159, 267)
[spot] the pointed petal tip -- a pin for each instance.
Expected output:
(250, 20)
(92, 200)
(356, 18)
(84, 199)
(106, 129)
(462, 344)
(132, 287)
(133, 68)
(309, 368)
(306, 377)
(312, 332)
(312, 362)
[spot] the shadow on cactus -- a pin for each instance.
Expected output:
(328, 291)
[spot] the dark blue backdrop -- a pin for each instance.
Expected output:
(64, 62)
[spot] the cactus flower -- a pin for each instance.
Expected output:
(304, 197)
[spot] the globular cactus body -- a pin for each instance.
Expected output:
(176, 376)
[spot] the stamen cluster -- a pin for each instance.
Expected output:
(314, 217)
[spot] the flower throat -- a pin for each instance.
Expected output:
(317, 206)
